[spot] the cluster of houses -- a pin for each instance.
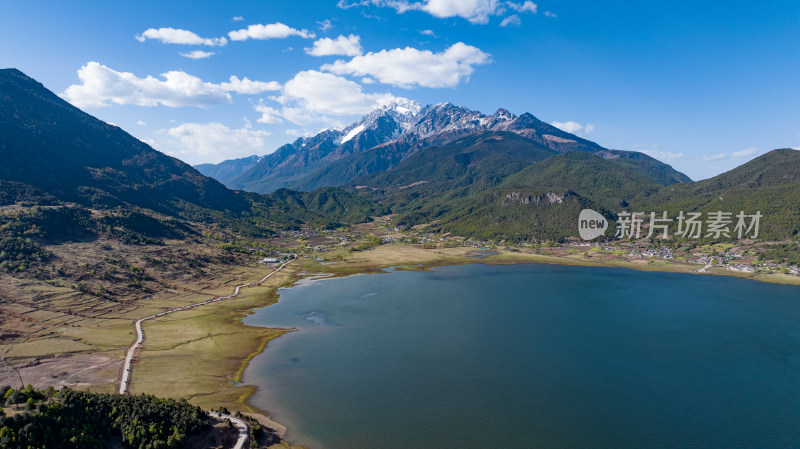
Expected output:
(280, 258)
(302, 233)
(652, 253)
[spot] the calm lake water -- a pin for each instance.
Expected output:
(533, 356)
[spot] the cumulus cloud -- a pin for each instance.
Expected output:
(215, 142)
(512, 20)
(527, 6)
(248, 86)
(588, 128)
(347, 46)
(269, 115)
(475, 11)
(140, 123)
(324, 25)
(275, 30)
(197, 54)
(102, 86)
(237, 18)
(179, 36)
(714, 157)
(550, 14)
(313, 96)
(409, 67)
(570, 126)
(426, 32)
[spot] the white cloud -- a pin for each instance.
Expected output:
(247, 86)
(344, 4)
(550, 14)
(197, 54)
(407, 67)
(179, 36)
(347, 46)
(103, 86)
(663, 156)
(570, 126)
(588, 128)
(513, 20)
(714, 157)
(325, 25)
(268, 115)
(313, 96)
(527, 6)
(141, 123)
(426, 32)
(215, 142)
(744, 153)
(475, 11)
(275, 30)
(237, 18)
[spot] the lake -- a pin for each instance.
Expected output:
(533, 356)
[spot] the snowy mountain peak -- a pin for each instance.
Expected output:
(503, 114)
(404, 106)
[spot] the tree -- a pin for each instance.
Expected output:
(13, 398)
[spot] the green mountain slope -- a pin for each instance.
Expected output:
(604, 181)
(652, 168)
(54, 153)
(375, 160)
(769, 183)
(542, 200)
(53, 146)
(463, 162)
(477, 161)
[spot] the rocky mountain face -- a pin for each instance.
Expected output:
(391, 133)
(309, 153)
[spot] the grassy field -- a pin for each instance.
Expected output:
(50, 328)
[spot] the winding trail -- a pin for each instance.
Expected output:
(241, 425)
(125, 378)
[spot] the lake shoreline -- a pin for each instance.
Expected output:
(417, 259)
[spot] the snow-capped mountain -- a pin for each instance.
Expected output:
(405, 126)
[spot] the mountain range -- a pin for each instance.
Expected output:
(447, 168)
(382, 139)
(54, 153)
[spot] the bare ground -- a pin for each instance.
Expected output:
(74, 371)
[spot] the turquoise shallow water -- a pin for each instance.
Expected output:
(533, 356)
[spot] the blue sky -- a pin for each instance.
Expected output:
(703, 86)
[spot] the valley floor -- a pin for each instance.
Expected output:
(201, 353)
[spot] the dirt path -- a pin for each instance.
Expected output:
(125, 377)
(241, 425)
